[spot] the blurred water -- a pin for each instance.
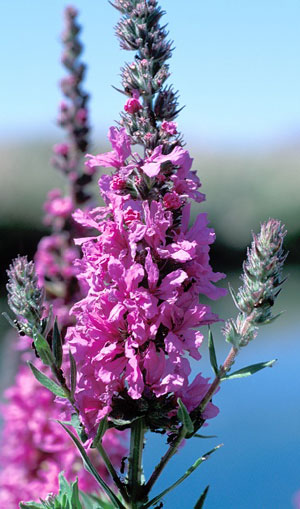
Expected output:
(259, 422)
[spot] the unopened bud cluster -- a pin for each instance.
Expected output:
(262, 277)
(139, 30)
(25, 297)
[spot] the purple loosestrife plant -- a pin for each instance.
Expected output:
(144, 269)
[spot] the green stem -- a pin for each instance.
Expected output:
(113, 472)
(164, 460)
(135, 469)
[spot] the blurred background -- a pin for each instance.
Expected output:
(236, 65)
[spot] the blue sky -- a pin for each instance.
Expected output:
(236, 65)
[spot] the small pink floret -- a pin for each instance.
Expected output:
(133, 104)
(60, 207)
(172, 200)
(61, 149)
(131, 215)
(81, 116)
(117, 183)
(169, 127)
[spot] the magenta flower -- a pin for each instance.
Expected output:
(169, 127)
(133, 104)
(116, 158)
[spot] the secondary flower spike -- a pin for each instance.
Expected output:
(262, 279)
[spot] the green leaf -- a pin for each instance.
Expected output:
(75, 502)
(93, 502)
(31, 505)
(43, 349)
(182, 478)
(184, 417)
(92, 470)
(100, 432)
(78, 426)
(57, 345)
(200, 502)
(197, 435)
(68, 493)
(249, 370)
(47, 382)
(73, 374)
(212, 353)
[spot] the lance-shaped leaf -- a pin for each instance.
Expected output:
(184, 417)
(249, 370)
(100, 432)
(212, 353)
(78, 426)
(200, 502)
(182, 478)
(57, 345)
(93, 502)
(31, 505)
(88, 465)
(197, 435)
(73, 373)
(47, 382)
(43, 349)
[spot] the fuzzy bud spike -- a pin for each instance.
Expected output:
(25, 297)
(262, 274)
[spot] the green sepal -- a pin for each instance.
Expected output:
(88, 465)
(57, 349)
(122, 424)
(10, 321)
(249, 370)
(43, 349)
(201, 500)
(272, 318)
(46, 323)
(73, 373)
(212, 353)
(234, 297)
(100, 432)
(232, 335)
(185, 419)
(47, 382)
(182, 478)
